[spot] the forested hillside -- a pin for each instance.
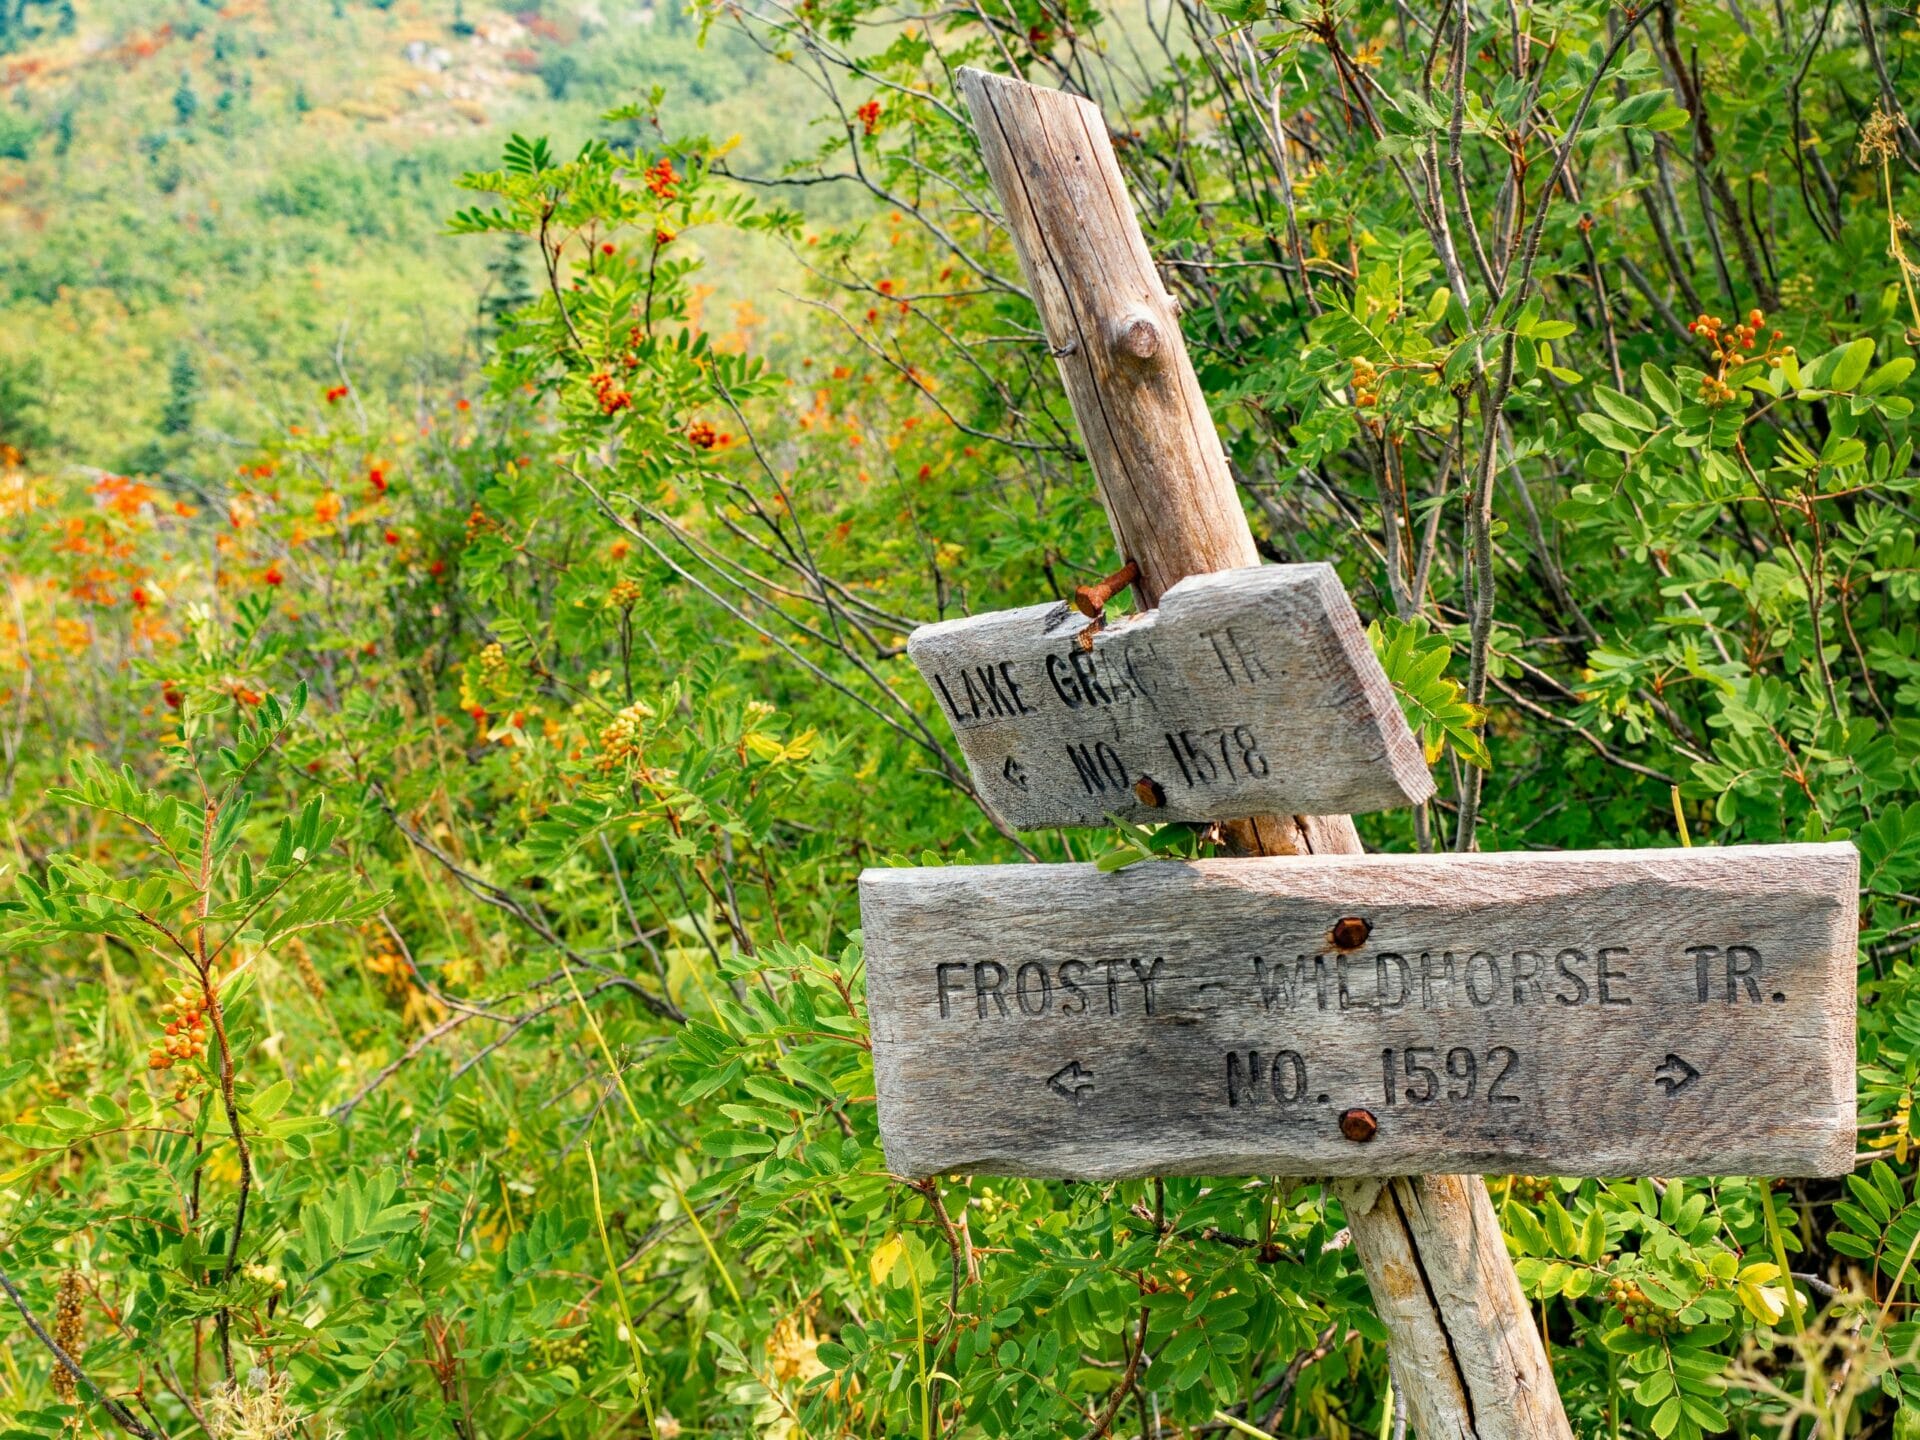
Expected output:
(468, 479)
(212, 207)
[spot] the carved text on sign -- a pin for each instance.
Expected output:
(1183, 713)
(1618, 1012)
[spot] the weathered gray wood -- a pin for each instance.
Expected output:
(1653, 1012)
(1449, 1303)
(1115, 331)
(1244, 692)
(1175, 512)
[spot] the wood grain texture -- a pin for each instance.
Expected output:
(1245, 691)
(1652, 1012)
(1114, 330)
(1480, 1375)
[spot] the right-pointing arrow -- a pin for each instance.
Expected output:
(1674, 1075)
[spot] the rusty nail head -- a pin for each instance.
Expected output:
(1149, 791)
(1359, 1126)
(1350, 933)
(1090, 600)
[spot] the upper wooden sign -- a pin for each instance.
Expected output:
(1246, 692)
(1649, 1012)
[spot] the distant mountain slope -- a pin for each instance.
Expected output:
(209, 214)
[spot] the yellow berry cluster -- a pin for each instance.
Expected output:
(267, 1275)
(625, 594)
(69, 1329)
(493, 662)
(185, 1036)
(1639, 1312)
(1530, 1188)
(620, 737)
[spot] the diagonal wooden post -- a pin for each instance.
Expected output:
(1463, 1349)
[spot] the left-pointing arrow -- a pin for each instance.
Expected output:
(1073, 1080)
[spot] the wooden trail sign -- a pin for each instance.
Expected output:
(1245, 691)
(1632, 1012)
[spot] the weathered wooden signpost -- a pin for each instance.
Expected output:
(1317, 1012)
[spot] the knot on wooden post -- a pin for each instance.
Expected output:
(1137, 335)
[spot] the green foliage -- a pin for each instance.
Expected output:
(436, 999)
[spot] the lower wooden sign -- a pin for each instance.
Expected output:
(1628, 1012)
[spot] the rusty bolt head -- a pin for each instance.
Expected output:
(1350, 933)
(1149, 792)
(1359, 1126)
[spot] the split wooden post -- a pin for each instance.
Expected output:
(1463, 1348)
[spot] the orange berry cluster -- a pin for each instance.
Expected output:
(478, 523)
(186, 1033)
(620, 738)
(704, 436)
(625, 594)
(1366, 382)
(1730, 344)
(611, 398)
(1639, 1312)
(661, 180)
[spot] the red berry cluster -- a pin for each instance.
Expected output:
(869, 116)
(337, 393)
(612, 399)
(377, 478)
(186, 1033)
(661, 180)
